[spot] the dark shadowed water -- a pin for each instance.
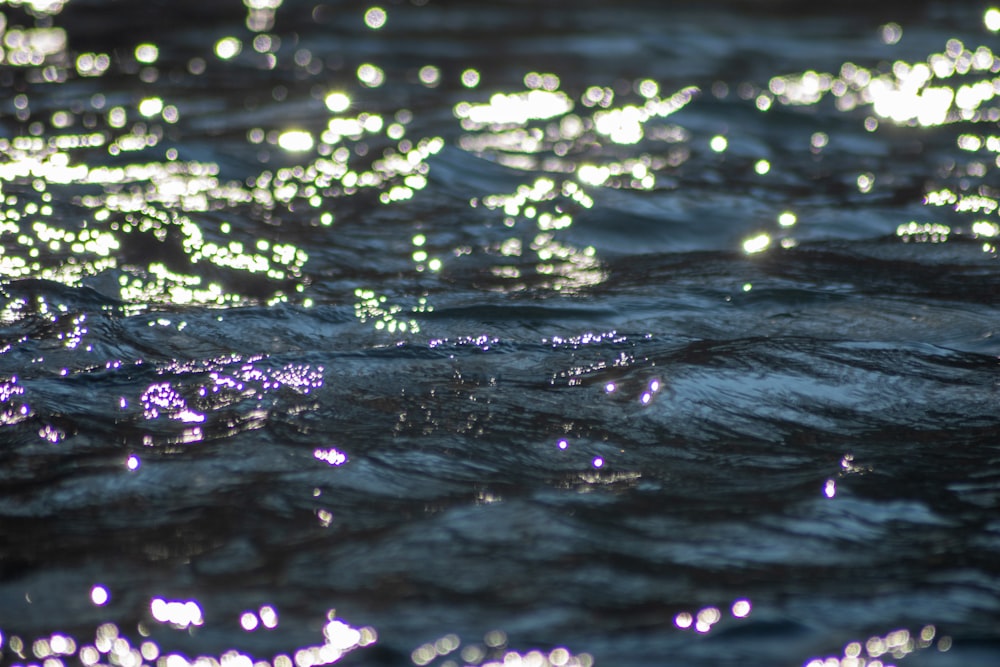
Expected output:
(479, 333)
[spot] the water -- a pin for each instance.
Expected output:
(467, 334)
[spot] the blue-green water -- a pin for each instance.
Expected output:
(499, 334)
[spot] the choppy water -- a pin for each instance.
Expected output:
(499, 333)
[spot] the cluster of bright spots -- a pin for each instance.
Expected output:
(493, 651)
(543, 204)
(370, 76)
(82, 242)
(398, 173)
(35, 47)
(975, 203)
(13, 310)
(340, 638)
(420, 256)
(138, 291)
(51, 649)
(849, 467)
(260, 14)
(607, 374)
(595, 476)
(111, 646)
(190, 187)
(981, 202)
(265, 46)
(626, 124)
(33, 157)
(513, 110)
(927, 232)
(118, 648)
(331, 456)
(75, 333)
(921, 93)
(44, 7)
(180, 614)
(12, 410)
(181, 288)
(762, 241)
(90, 64)
(232, 377)
(985, 229)
(163, 398)
(51, 434)
(703, 620)
(107, 645)
(483, 342)
(537, 130)
(385, 316)
(34, 245)
(425, 653)
(566, 267)
(151, 198)
(300, 378)
(411, 167)
(275, 260)
(526, 200)
(147, 199)
(877, 650)
(587, 338)
(220, 386)
(142, 139)
(647, 396)
(266, 617)
(488, 497)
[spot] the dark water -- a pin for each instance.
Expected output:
(499, 333)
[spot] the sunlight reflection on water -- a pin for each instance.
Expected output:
(128, 176)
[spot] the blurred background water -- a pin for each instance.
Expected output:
(451, 333)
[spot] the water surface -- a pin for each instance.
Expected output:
(499, 333)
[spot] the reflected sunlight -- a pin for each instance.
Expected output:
(921, 93)
(99, 595)
(185, 239)
(111, 644)
(180, 614)
(878, 651)
(757, 244)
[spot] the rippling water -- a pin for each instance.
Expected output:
(448, 334)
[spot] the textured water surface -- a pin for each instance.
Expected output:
(448, 334)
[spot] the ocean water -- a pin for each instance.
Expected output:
(499, 333)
